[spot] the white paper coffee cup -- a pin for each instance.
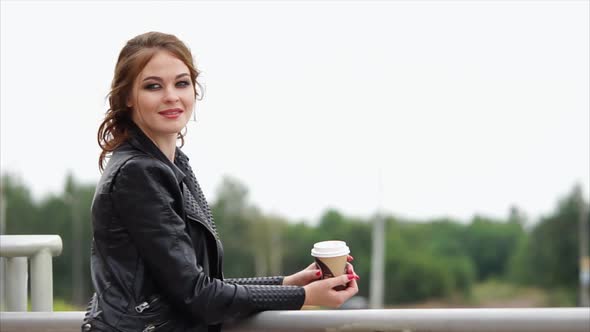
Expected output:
(331, 258)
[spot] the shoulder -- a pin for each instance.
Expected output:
(128, 160)
(142, 167)
(144, 181)
(132, 167)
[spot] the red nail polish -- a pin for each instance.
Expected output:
(350, 258)
(319, 273)
(351, 276)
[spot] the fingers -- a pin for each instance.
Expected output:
(342, 280)
(308, 275)
(323, 292)
(352, 288)
(317, 272)
(336, 281)
(349, 258)
(349, 268)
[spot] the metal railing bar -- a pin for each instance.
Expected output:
(432, 320)
(406, 320)
(29, 245)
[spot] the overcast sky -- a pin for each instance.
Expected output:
(426, 109)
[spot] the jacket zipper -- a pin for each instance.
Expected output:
(145, 305)
(141, 307)
(149, 328)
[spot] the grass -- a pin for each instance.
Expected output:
(61, 305)
(494, 293)
(58, 305)
(500, 294)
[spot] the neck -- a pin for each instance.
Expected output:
(166, 143)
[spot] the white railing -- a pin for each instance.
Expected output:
(41, 248)
(400, 320)
(17, 250)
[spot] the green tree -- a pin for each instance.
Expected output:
(60, 215)
(490, 244)
(21, 210)
(549, 257)
(426, 260)
(233, 218)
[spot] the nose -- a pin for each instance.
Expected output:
(171, 96)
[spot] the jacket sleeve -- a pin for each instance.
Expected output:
(142, 195)
(276, 280)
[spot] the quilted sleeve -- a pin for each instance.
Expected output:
(275, 280)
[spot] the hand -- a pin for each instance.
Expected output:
(304, 277)
(310, 274)
(321, 293)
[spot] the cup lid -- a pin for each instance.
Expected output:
(330, 249)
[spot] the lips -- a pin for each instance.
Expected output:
(172, 113)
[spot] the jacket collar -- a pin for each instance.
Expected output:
(139, 140)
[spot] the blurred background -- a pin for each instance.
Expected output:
(452, 137)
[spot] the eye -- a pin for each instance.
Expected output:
(152, 86)
(183, 84)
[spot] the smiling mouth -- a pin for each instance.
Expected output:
(173, 111)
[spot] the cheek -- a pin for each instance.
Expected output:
(189, 100)
(147, 101)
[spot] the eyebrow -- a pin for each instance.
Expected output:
(160, 79)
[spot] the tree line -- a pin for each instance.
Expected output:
(425, 259)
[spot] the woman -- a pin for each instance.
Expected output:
(156, 257)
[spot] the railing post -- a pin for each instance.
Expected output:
(42, 281)
(40, 249)
(2, 283)
(16, 284)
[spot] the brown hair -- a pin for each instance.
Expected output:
(114, 129)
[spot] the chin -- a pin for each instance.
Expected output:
(173, 128)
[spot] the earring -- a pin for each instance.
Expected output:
(194, 115)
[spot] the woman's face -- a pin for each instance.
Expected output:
(162, 97)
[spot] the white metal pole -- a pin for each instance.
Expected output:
(42, 281)
(377, 265)
(377, 289)
(16, 284)
(2, 282)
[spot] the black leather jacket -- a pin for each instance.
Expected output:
(156, 258)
